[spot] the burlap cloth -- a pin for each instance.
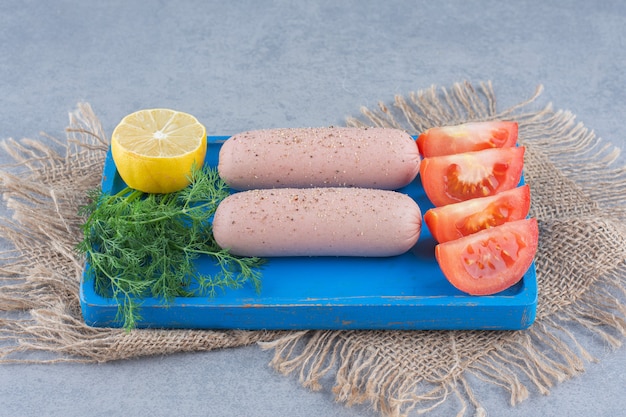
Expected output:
(577, 196)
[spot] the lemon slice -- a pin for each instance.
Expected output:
(154, 150)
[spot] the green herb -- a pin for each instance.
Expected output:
(140, 245)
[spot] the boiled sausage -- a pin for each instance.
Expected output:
(331, 221)
(319, 157)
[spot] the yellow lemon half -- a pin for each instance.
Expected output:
(154, 150)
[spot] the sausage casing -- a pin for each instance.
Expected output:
(331, 221)
(319, 157)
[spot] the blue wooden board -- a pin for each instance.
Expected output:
(401, 292)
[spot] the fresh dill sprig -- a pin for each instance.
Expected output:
(140, 245)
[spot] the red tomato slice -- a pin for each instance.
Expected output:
(491, 260)
(456, 220)
(467, 137)
(452, 178)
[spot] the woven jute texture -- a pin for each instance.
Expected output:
(578, 198)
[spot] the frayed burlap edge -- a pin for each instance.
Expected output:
(578, 198)
(397, 373)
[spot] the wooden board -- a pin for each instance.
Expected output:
(402, 292)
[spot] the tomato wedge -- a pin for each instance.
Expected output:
(491, 260)
(456, 220)
(467, 137)
(452, 178)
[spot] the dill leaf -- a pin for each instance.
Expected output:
(138, 245)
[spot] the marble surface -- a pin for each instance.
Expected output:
(252, 64)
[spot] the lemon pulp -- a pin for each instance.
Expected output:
(154, 150)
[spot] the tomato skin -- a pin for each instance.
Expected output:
(467, 137)
(491, 260)
(454, 221)
(452, 178)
